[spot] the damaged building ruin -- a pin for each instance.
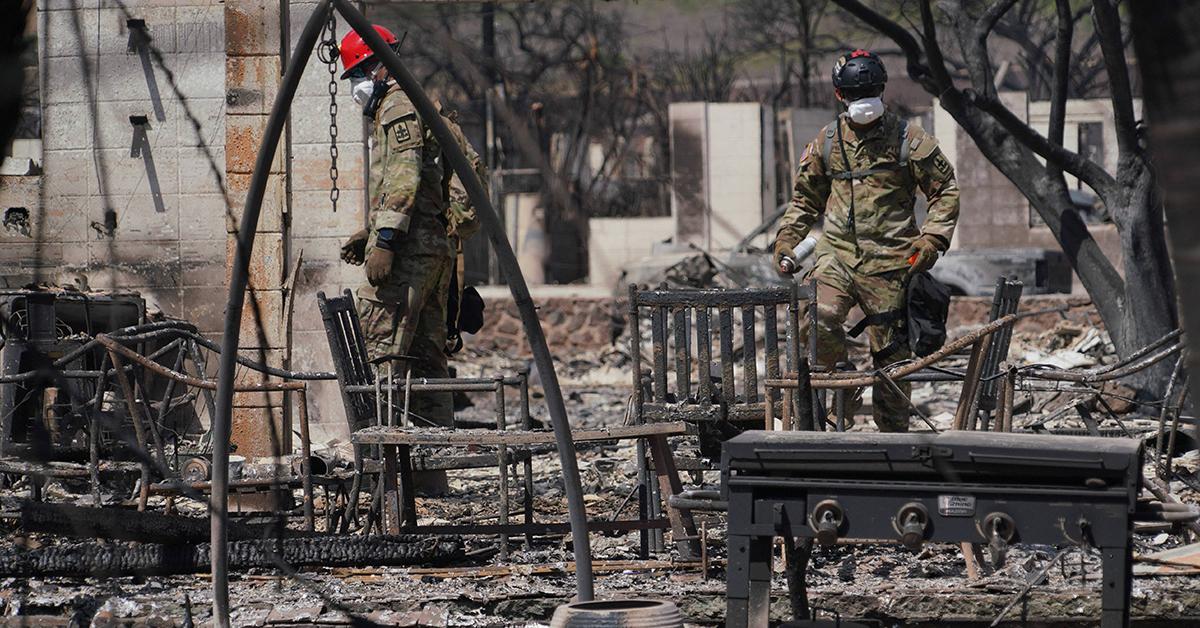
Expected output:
(717, 476)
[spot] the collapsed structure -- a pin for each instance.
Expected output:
(112, 409)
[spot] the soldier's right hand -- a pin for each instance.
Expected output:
(784, 258)
(379, 265)
(354, 251)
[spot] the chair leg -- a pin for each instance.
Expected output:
(392, 494)
(683, 527)
(408, 501)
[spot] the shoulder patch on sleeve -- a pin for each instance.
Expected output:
(921, 144)
(403, 131)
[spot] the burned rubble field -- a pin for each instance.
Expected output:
(883, 581)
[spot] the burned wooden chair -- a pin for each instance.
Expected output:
(401, 447)
(681, 383)
(681, 320)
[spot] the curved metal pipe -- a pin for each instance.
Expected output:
(516, 283)
(238, 279)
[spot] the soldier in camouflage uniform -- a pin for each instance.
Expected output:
(408, 256)
(861, 174)
(461, 221)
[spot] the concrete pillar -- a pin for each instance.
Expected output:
(252, 72)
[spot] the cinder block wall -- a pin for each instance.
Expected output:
(206, 83)
(165, 205)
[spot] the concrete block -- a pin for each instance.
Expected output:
(199, 74)
(262, 320)
(65, 81)
(201, 218)
(201, 171)
(114, 29)
(260, 432)
(68, 172)
(270, 217)
(615, 243)
(115, 131)
(310, 119)
(246, 376)
(252, 27)
(64, 34)
(66, 125)
(204, 306)
(258, 399)
(119, 263)
(157, 173)
(62, 219)
(310, 167)
(243, 137)
(203, 263)
(202, 125)
(266, 260)
(79, 6)
(200, 26)
(251, 84)
(313, 216)
(21, 261)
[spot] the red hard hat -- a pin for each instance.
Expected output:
(355, 51)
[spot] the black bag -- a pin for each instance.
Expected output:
(928, 307)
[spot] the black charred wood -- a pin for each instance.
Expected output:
(103, 559)
(130, 525)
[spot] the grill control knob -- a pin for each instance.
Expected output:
(827, 520)
(1000, 530)
(912, 520)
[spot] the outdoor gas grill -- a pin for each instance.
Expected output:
(991, 489)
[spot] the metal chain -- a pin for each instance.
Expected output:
(328, 53)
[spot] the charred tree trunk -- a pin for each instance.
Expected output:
(1168, 48)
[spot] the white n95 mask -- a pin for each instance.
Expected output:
(865, 110)
(361, 89)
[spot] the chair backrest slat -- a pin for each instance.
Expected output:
(683, 361)
(725, 317)
(749, 356)
(658, 334)
(704, 354)
(348, 348)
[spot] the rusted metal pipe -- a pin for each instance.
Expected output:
(508, 262)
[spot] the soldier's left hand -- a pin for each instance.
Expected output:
(379, 265)
(923, 255)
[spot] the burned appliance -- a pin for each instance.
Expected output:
(985, 488)
(42, 385)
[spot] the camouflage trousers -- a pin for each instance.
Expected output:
(840, 288)
(409, 329)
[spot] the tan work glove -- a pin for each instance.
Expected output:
(924, 254)
(354, 251)
(785, 244)
(379, 266)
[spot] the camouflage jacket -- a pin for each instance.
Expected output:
(878, 236)
(406, 188)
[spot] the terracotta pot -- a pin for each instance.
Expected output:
(618, 614)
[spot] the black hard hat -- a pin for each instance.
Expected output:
(861, 70)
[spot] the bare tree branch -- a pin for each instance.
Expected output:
(917, 69)
(983, 29)
(1058, 92)
(1088, 171)
(1112, 46)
